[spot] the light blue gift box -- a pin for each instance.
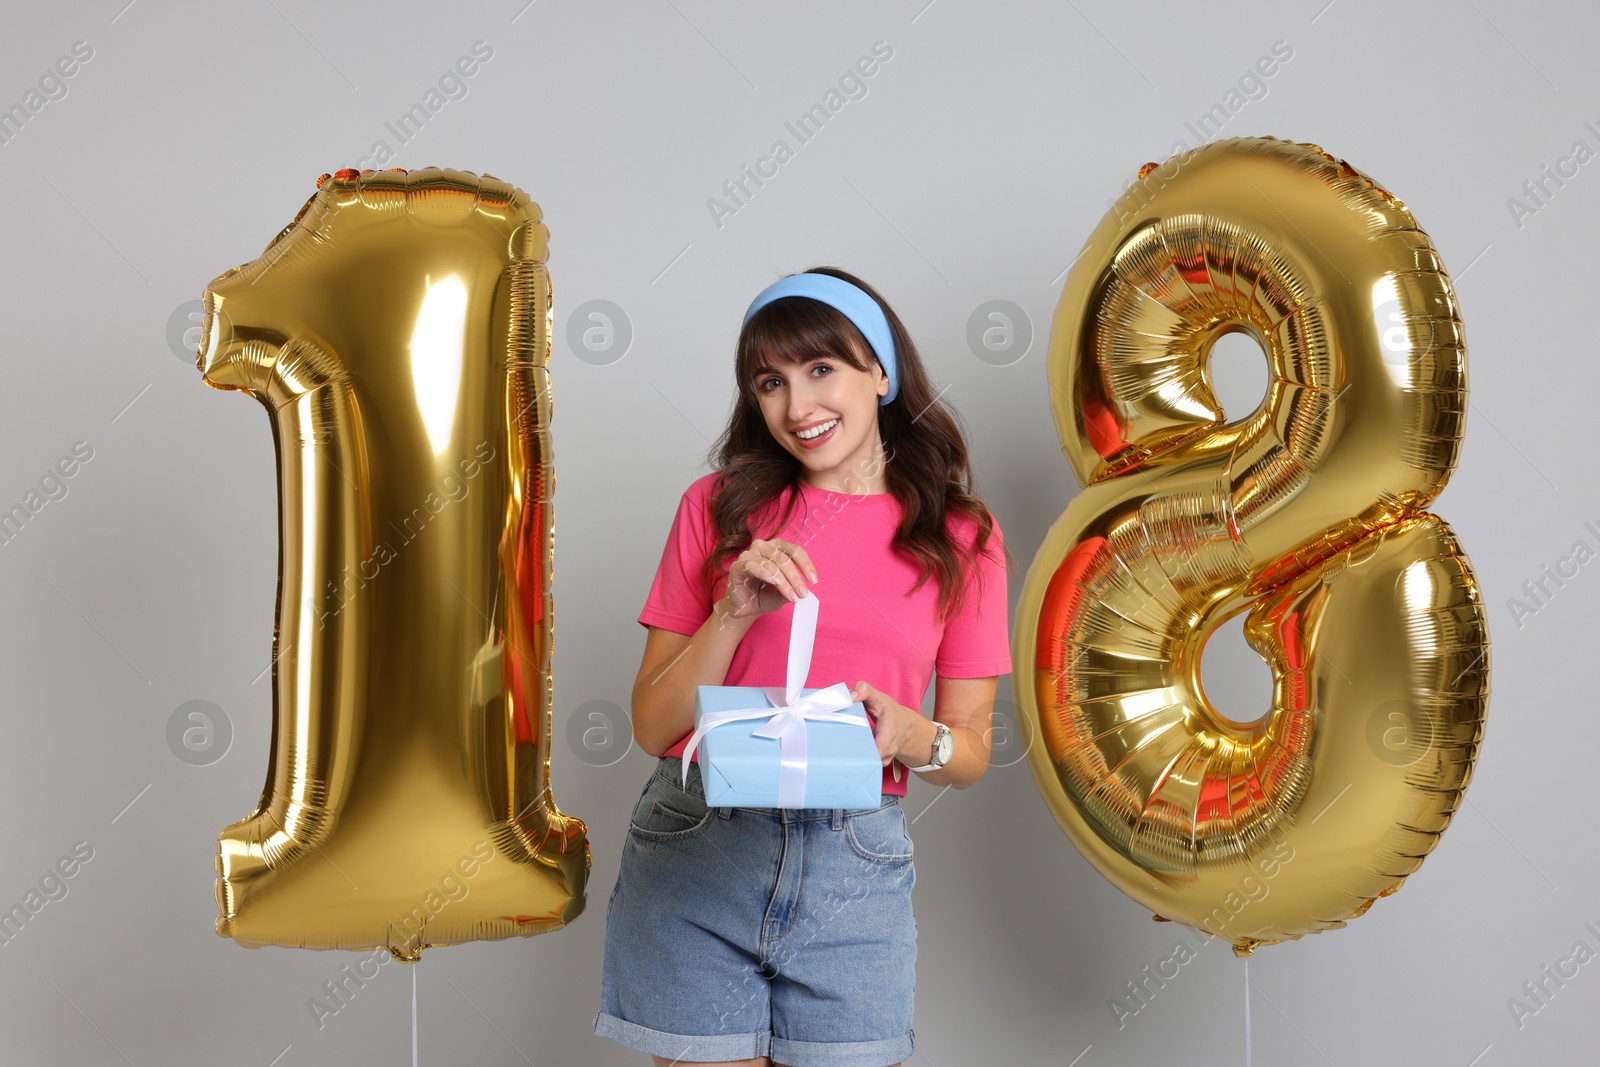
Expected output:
(740, 768)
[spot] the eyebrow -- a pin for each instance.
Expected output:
(764, 368)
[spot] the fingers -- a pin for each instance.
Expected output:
(779, 565)
(774, 573)
(798, 555)
(746, 584)
(753, 574)
(783, 565)
(869, 697)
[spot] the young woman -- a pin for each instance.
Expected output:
(773, 937)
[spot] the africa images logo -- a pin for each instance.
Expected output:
(52, 85)
(852, 85)
(411, 526)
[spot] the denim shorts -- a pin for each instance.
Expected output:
(735, 932)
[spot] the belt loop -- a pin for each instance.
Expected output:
(838, 818)
(726, 813)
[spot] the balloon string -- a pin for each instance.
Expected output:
(414, 1015)
(1247, 1013)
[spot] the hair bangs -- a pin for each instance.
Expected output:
(793, 331)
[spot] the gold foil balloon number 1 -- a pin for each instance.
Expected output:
(398, 333)
(1307, 513)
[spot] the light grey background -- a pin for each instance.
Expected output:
(982, 155)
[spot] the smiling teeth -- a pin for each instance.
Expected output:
(817, 431)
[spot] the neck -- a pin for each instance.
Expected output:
(861, 476)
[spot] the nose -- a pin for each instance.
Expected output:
(802, 405)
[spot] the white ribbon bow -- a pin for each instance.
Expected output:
(788, 709)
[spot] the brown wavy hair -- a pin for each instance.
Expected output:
(926, 466)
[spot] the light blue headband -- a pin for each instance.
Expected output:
(856, 305)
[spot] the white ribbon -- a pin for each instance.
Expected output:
(788, 709)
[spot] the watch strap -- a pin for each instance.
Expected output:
(940, 729)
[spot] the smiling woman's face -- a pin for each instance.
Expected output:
(827, 393)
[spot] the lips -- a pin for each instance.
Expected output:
(818, 442)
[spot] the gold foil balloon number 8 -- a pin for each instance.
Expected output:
(1307, 513)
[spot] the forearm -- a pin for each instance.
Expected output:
(663, 702)
(969, 757)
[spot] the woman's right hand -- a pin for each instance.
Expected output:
(779, 566)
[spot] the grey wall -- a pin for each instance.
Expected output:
(981, 156)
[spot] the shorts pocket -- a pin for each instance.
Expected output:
(672, 818)
(880, 836)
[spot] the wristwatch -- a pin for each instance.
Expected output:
(944, 744)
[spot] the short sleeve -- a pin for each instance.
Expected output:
(977, 639)
(680, 597)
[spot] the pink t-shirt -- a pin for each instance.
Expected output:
(870, 626)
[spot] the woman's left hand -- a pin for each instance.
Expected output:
(896, 727)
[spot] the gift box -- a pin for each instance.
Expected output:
(786, 747)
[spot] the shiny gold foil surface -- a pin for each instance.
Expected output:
(398, 334)
(1255, 825)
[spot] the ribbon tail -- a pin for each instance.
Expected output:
(802, 639)
(792, 767)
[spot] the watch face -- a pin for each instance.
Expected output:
(944, 745)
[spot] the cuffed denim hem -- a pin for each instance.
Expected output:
(842, 1053)
(705, 1048)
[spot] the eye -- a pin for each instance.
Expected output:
(762, 383)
